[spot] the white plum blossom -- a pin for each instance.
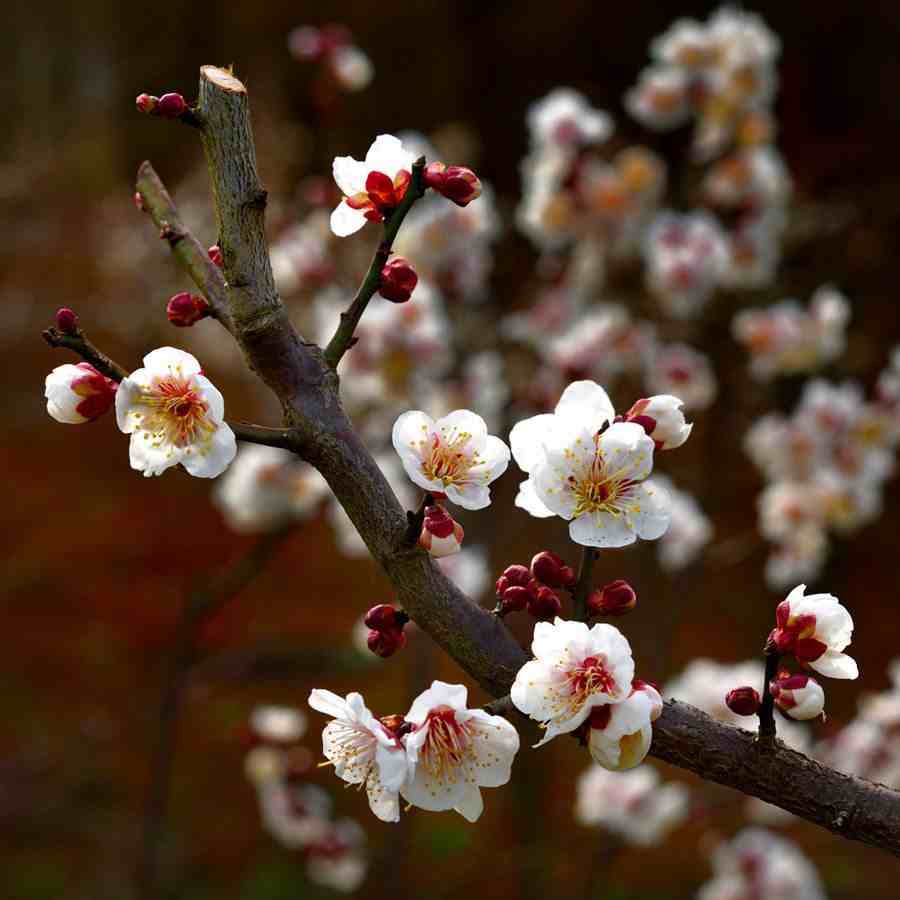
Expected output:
(351, 67)
(453, 455)
(338, 859)
(278, 724)
(680, 370)
(620, 734)
(799, 697)
(588, 473)
(78, 393)
(565, 118)
(632, 805)
(295, 815)
(662, 418)
(174, 415)
(660, 99)
(453, 751)
(575, 669)
(815, 629)
(362, 750)
(372, 187)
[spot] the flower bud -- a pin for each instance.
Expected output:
(146, 103)
(171, 106)
(386, 643)
(517, 575)
(743, 701)
(547, 567)
(663, 420)
(513, 599)
(398, 280)
(798, 696)
(215, 254)
(441, 534)
(78, 393)
(569, 578)
(456, 183)
(385, 617)
(186, 309)
(613, 599)
(544, 605)
(66, 320)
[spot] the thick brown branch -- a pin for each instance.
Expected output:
(190, 253)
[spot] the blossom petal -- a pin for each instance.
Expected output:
(471, 803)
(213, 457)
(586, 402)
(349, 175)
(835, 665)
(388, 156)
(345, 220)
(527, 440)
(528, 500)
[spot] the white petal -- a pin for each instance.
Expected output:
(835, 665)
(129, 391)
(392, 766)
(462, 421)
(527, 440)
(215, 403)
(627, 450)
(328, 703)
(149, 458)
(528, 500)
(349, 175)
(439, 694)
(601, 529)
(171, 361)
(388, 156)
(384, 803)
(471, 804)
(496, 750)
(346, 221)
(586, 402)
(649, 510)
(213, 457)
(467, 495)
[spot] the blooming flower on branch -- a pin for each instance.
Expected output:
(78, 393)
(663, 420)
(815, 629)
(453, 751)
(362, 750)
(574, 670)
(174, 415)
(619, 734)
(588, 473)
(453, 455)
(372, 188)
(798, 696)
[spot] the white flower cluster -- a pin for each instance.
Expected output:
(826, 465)
(786, 339)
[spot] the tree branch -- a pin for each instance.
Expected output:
(78, 343)
(343, 339)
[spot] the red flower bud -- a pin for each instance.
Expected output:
(171, 106)
(386, 643)
(398, 280)
(456, 183)
(518, 575)
(545, 605)
(215, 254)
(513, 599)
(66, 320)
(382, 617)
(547, 567)
(185, 309)
(743, 701)
(613, 599)
(146, 103)
(569, 578)
(441, 534)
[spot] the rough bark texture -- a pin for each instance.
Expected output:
(308, 389)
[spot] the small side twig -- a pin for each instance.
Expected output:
(767, 706)
(78, 342)
(343, 337)
(264, 434)
(583, 585)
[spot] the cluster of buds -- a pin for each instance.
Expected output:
(398, 280)
(185, 309)
(613, 599)
(169, 106)
(520, 587)
(456, 183)
(385, 624)
(441, 534)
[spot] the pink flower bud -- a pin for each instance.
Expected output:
(146, 103)
(441, 534)
(382, 617)
(663, 420)
(517, 575)
(513, 599)
(743, 701)
(78, 393)
(798, 696)
(547, 567)
(186, 309)
(613, 599)
(544, 605)
(215, 254)
(569, 578)
(398, 280)
(456, 183)
(171, 106)
(66, 320)
(386, 643)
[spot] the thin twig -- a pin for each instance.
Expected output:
(78, 342)
(583, 585)
(767, 707)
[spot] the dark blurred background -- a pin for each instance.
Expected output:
(97, 559)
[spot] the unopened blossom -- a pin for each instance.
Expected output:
(565, 118)
(550, 568)
(798, 696)
(174, 415)
(663, 420)
(362, 750)
(457, 183)
(619, 734)
(338, 860)
(815, 629)
(78, 393)
(398, 280)
(372, 188)
(743, 701)
(441, 534)
(575, 669)
(278, 724)
(453, 455)
(633, 805)
(454, 751)
(544, 604)
(588, 473)
(613, 599)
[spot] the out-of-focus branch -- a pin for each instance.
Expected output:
(78, 342)
(190, 253)
(343, 338)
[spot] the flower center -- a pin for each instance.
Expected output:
(447, 745)
(591, 677)
(447, 460)
(177, 412)
(599, 490)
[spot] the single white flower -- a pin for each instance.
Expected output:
(815, 630)
(174, 415)
(588, 473)
(620, 734)
(453, 455)
(362, 750)
(565, 118)
(373, 187)
(799, 697)
(574, 670)
(78, 393)
(338, 859)
(454, 751)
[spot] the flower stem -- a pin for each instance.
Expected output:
(583, 585)
(767, 707)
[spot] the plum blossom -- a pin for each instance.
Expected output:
(680, 370)
(815, 629)
(662, 418)
(78, 393)
(588, 473)
(565, 119)
(174, 415)
(362, 750)
(619, 734)
(371, 188)
(798, 696)
(453, 455)
(338, 859)
(278, 724)
(453, 751)
(574, 671)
